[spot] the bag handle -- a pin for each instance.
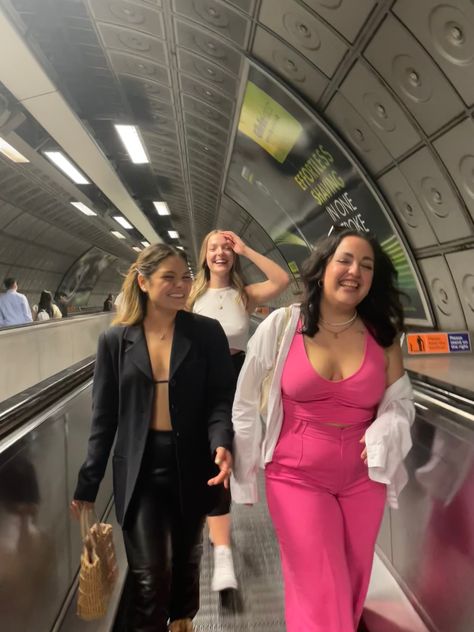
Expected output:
(84, 521)
(87, 535)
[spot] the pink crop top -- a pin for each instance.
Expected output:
(308, 396)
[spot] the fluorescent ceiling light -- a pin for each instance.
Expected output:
(117, 234)
(146, 243)
(66, 166)
(136, 248)
(180, 247)
(10, 152)
(173, 234)
(123, 222)
(133, 143)
(83, 208)
(162, 208)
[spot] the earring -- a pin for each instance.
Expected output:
(320, 283)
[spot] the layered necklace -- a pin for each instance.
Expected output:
(220, 296)
(339, 327)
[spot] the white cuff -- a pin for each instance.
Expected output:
(244, 493)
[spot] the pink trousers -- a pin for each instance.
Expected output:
(326, 513)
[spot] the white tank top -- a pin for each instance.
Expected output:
(225, 305)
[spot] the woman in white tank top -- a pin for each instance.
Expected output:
(219, 292)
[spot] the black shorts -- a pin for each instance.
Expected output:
(223, 505)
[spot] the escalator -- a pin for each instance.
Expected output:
(426, 547)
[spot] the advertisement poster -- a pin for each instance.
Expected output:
(292, 175)
(82, 276)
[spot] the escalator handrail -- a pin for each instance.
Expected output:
(19, 409)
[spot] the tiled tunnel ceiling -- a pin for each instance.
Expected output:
(394, 78)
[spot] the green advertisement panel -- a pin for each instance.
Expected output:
(297, 179)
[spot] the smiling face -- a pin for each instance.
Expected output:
(219, 255)
(169, 286)
(349, 272)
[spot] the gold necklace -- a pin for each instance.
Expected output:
(221, 297)
(340, 331)
(343, 324)
(165, 333)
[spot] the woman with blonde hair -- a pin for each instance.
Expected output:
(220, 292)
(163, 387)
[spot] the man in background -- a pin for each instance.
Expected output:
(14, 308)
(62, 303)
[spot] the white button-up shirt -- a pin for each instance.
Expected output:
(14, 309)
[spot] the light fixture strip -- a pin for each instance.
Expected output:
(117, 234)
(173, 234)
(10, 152)
(66, 166)
(83, 208)
(123, 222)
(146, 243)
(162, 208)
(132, 142)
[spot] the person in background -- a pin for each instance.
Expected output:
(336, 431)
(62, 303)
(109, 303)
(219, 292)
(14, 307)
(162, 394)
(46, 309)
(118, 301)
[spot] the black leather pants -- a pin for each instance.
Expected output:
(163, 546)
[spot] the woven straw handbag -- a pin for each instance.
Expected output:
(98, 572)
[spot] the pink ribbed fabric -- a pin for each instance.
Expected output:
(307, 395)
(325, 509)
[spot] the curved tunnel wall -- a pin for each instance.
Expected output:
(38, 254)
(392, 77)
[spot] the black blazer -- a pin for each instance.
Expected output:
(201, 389)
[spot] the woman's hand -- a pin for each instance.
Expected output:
(234, 240)
(224, 461)
(363, 454)
(77, 506)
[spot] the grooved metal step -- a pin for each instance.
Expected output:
(258, 603)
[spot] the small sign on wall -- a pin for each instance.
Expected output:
(439, 342)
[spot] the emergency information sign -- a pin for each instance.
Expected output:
(439, 342)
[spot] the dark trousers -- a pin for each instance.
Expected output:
(163, 546)
(223, 506)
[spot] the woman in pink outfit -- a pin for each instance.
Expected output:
(329, 451)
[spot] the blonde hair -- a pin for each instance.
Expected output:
(201, 282)
(132, 307)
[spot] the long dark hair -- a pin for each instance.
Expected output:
(46, 303)
(381, 310)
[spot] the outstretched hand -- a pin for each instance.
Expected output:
(236, 243)
(224, 461)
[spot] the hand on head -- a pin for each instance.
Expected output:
(234, 240)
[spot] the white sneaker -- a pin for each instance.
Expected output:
(223, 577)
